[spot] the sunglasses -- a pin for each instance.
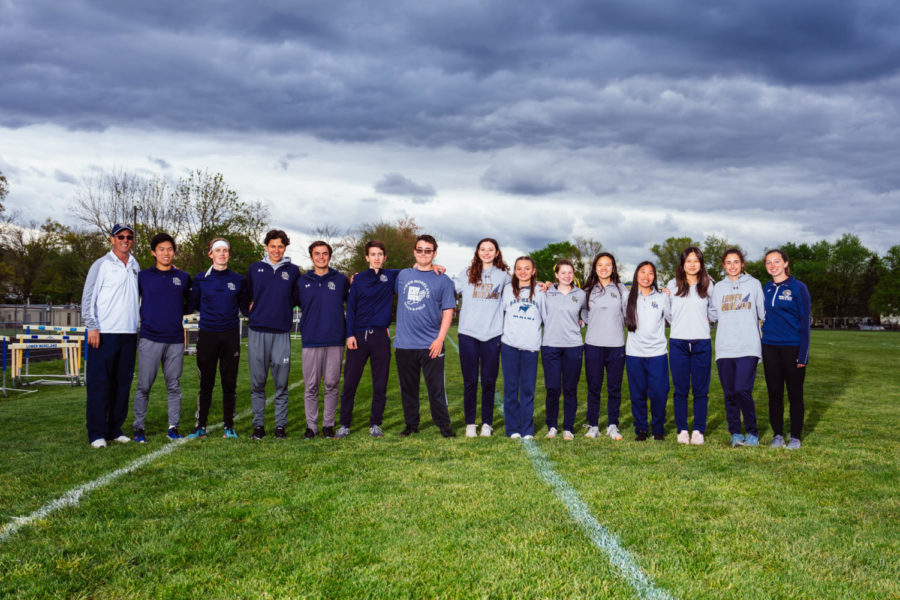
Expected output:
(424, 250)
(124, 237)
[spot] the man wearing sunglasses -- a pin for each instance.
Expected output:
(109, 309)
(425, 306)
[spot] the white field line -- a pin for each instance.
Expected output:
(73, 496)
(602, 538)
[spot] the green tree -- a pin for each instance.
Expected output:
(399, 239)
(885, 300)
(26, 250)
(546, 258)
(667, 255)
(713, 248)
(587, 250)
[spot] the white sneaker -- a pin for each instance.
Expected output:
(684, 437)
(551, 433)
(515, 436)
(471, 430)
(567, 435)
(528, 437)
(613, 433)
(486, 430)
(98, 443)
(122, 439)
(697, 438)
(592, 432)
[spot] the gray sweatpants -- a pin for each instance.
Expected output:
(269, 350)
(149, 356)
(321, 364)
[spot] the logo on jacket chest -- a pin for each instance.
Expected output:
(383, 278)
(285, 276)
(331, 286)
(786, 296)
(231, 286)
(176, 281)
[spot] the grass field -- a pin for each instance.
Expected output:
(464, 518)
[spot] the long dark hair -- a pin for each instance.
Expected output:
(780, 252)
(593, 279)
(631, 320)
(515, 280)
(684, 288)
(476, 267)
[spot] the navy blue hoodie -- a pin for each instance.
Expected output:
(321, 299)
(271, 290)
(164, 301)
(788, 316)
(219, 295)
(371, 298)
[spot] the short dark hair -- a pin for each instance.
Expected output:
(159, 238)
(375, 244)
(318, 243)
(275, 234)
(427, 238)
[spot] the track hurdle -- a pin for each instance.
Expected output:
(5, 359)
(70, 341)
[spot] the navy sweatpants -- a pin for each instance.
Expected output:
(519, 381)
(648, 376)
(596, 359)
(109, 371)
(373, 345)
(562, 370)
(690, 362)
(737, 376)
(476, 358)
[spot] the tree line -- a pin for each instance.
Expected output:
(48, 262)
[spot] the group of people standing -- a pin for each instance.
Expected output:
(505, 318)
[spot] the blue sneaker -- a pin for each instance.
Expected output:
(229, 433)
(737, 440)
(793, 444)
(751, 440)
(198, 432)
(173, 434)
(139, 436)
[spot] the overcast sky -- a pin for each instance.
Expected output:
(623, 121)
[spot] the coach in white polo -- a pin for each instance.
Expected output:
(109, 309)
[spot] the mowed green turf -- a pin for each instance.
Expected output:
(428, 517)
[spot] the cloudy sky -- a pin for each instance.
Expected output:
(623, 121)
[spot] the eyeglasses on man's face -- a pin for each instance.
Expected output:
(125, 237)
(424, 250)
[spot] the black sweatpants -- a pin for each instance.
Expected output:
(780, 366)
(374, 346)
(410, 363)
(222, 348)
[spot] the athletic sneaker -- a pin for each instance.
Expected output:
(684, 437)
(486, 430)
(612, 432)
(375, 431)
(139, 436)
(124, 439)
(528, 437)
(198, 432)
(592, 432)
(280, 433)
(751, 440)
(794, 444)
(659, 437)
(777, 442)
(328, 432)
(408, 431)
(259, 433)
(737, 440)
(229, 433)
(173, 434)
(697, 438)
(471, 430)
(309, 434)
(640, 436)
(567, 435)
(98, 443)
(551, 433)
(515, 436)
(342, 432)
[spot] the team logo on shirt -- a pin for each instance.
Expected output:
(285, 276)
(485, 291)
(786, 295)
(231, 286)
(574, 300)
(331, 286)
(652, 304)
(613, 295)
(735, 302)
(414, 294)
(383, 278)
(176, 281)
(524, 308)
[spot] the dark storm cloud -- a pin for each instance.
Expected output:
(63, 177)
(521, 182)
(398, 185)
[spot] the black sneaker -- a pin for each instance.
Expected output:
(309, 434)
(640, 436)
(258, 433)
(328, 432)
(280, 434)
(448, 433)
(409, 431)
(659, 437)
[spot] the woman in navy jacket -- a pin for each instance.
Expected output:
(785, 346)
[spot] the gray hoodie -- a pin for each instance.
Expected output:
(522, 318)
(604, 314)
(481, 313)
(738, 306)
(561, 327)
(690, 314)
(649, 339)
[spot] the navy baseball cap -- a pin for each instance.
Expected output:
(121, 227)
